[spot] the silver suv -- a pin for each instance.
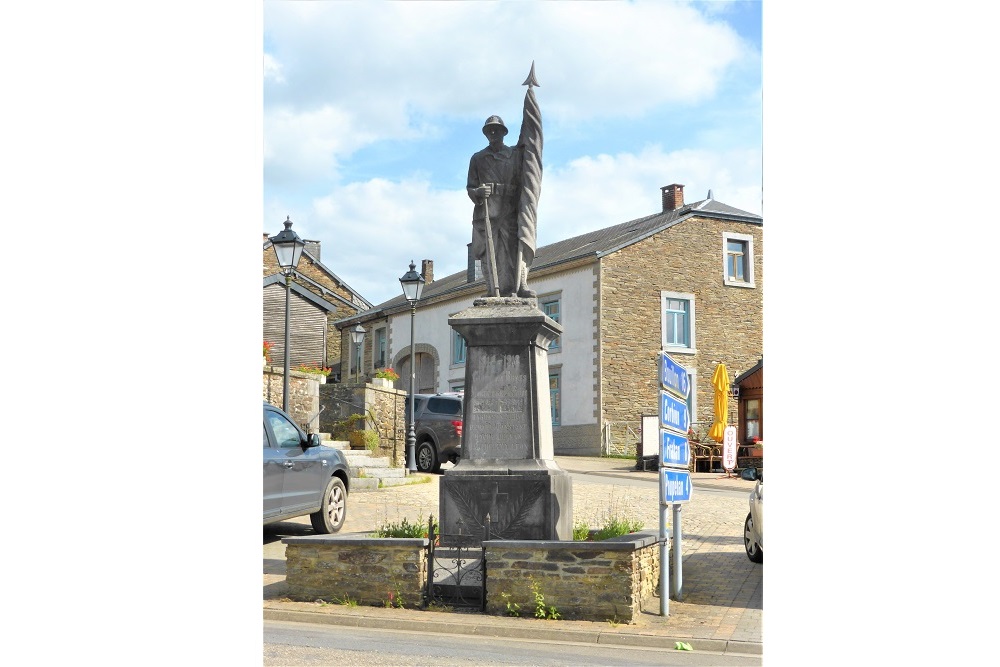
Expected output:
(302, 475)
(438, 429)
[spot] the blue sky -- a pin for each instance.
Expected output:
(372, 110)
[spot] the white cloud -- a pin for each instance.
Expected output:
(272, 69)
(382, 65)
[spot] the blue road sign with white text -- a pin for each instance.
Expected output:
(674, 377)
(675, 452)
(674, 413)
(675, 486)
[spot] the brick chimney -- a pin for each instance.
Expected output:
(266, 237)
(673, 197)
(427, 271)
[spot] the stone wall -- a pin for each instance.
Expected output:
(592, 581)
(588, 581)
(366, 570)
(389, 406)
(386, 403)
(303, 395)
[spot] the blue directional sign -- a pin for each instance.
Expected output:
(675, 452)
(674, 377)
(674, 413)
(675, 486)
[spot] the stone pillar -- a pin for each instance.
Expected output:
(506, 470)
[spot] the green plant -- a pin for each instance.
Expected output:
(387, 373)
(364, 438)
(340, 430)
(617, 525)
(543, 610)
(347, 600)
(313, 369)
(395, 598)
(581, 531)
(404, 528)
(513, 608)
(614, 622)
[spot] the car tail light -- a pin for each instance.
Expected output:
(457, 425)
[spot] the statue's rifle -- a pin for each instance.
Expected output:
(491, 256)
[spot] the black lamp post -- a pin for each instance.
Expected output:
(357, 337)
(413, 286)
(288, 250)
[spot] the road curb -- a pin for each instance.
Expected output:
(475, 627)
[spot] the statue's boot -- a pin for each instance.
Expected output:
(522, 290)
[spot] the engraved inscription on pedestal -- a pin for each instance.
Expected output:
(498, 422)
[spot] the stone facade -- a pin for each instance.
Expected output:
(728, 320)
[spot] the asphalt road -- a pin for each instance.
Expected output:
(295, 644)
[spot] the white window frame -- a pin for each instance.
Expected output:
(556, 345)
(748, 281)
(455, 336)
(380, 347)
(691, 348)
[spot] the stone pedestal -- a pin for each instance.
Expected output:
(506, 470)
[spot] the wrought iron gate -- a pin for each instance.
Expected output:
(456, 575)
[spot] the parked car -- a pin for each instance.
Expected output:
(753, 527)
(301, 475)
(438, 429)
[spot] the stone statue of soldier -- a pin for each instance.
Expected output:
(495, 187)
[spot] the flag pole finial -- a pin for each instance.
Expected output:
(531, 80)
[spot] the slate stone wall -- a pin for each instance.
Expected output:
(588, 581)
(366, 570)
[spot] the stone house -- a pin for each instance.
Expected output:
(687, 279)
(318, 297)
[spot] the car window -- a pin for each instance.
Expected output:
(445, 406)
(284, 431)
(267, 443)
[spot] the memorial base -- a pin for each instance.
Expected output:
(521, 505)
(507, 469)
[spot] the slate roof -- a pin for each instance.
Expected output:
(317, 301)
(594, 244)
(325, 269)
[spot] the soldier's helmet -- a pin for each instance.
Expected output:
(495, 120)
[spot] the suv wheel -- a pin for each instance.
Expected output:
(331, 516)
(427, 457)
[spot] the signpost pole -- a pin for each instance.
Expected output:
(678, 579)
(674, 473)
(664, 561)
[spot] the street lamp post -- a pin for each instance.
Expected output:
(288, 250)
(413, 286)
(357, 337)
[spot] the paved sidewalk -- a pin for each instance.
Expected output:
(722, 605)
